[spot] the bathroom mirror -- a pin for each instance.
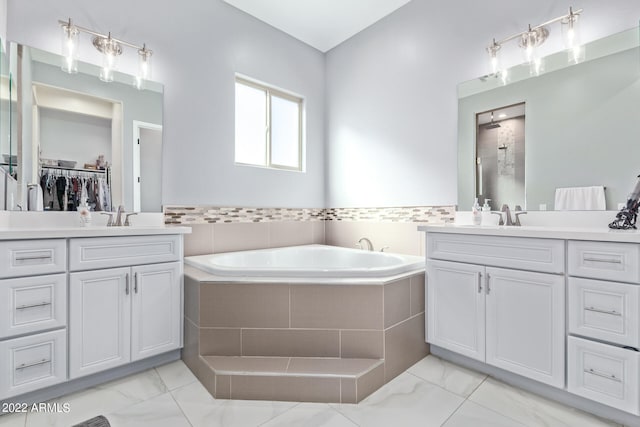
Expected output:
(77, 129)
(582, 126)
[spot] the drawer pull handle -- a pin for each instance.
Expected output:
(30, 365)
(24, 307)
(599, 310)
(126, 286)
(603, 375)
(32, 258)
(609, 261)
(479, 283)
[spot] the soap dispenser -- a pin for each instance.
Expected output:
(486, 212)
(85, 214)
(476, 214)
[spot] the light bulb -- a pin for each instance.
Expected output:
(571, 38)
(110, 50)
(70, 43)
(144, 67)
(494, 57)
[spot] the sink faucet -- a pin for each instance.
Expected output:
(367, 241)
(119, 215)
(507, 220)
(507, 215)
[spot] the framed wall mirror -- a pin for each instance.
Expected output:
(81, 138)
(582, 126)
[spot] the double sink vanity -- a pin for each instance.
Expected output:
(556, 305)
(84, 305)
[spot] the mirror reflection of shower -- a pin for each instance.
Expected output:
(500, 150)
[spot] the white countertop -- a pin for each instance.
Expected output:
(18, 233)
(542, 232)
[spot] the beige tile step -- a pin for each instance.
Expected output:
(300, 379)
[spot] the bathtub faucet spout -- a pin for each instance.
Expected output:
(368, 243)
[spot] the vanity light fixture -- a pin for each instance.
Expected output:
(110, 48)
(533, 37)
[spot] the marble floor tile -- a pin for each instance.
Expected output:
(473, 415)
(175, 374)
(530, 409)
(202, 410)
(310, 415)
(100, 400)
(13, 420)
(160, 411)
(453, 378)
(407, 401)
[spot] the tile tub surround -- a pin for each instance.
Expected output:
(274, 341)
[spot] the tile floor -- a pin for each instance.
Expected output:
(433, 392)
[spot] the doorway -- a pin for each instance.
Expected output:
(147, 167)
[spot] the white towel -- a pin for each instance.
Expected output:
(580, 199)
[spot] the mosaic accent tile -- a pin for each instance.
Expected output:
(430, 214)
(187, 215)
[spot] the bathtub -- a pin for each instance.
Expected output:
(312, 263)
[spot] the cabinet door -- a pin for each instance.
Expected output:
(157, 313)
(456, 309)
(525, 324)
(99, 320)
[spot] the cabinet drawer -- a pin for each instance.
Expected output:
(544, 255)
(604, 373)
(606, 311)
(32, 257)
(107, 252)
(32, 362)
(33, 304)
(605, 260)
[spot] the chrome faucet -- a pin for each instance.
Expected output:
(367, 241)
(119, 215)
(507, 220)
(507, 215)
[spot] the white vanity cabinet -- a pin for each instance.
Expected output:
(33, 315)
(604, 323)
(509, 318)
(126, 312)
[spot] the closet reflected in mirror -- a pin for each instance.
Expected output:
(500, 150)
(86, 140)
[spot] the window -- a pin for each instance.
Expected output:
(268, 127)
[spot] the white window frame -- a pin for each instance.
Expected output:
(271, 91)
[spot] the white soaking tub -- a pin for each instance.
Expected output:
(311, 262)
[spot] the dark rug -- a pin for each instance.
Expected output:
(99, 421)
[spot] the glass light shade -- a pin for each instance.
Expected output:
(494, 57)
(144, 68)
(110, 53)
(70, 43)
(571, 38)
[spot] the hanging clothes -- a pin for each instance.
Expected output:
(65, 190)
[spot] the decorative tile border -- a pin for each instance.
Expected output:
(211, 214)
(430, 214)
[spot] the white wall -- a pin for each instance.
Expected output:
(391, 92)
(198, 46)
(72, 136)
